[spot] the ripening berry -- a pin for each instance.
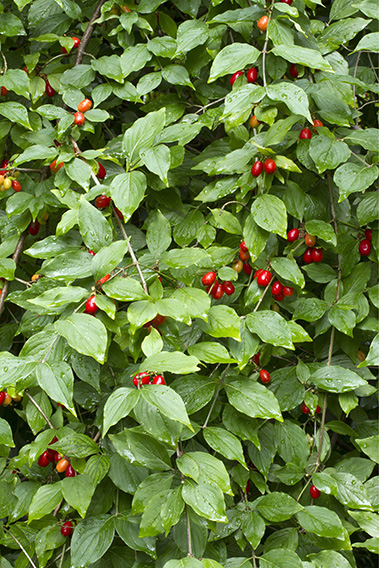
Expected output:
(317, 123)
(84, 105)
(262, 23)
(243, 246)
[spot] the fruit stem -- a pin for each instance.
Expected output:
(263, 295)
(215, 398)
(265, 48)
(39, 409)
(21, 547)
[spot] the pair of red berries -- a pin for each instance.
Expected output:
(75, 46)
(306, 410)
(83, 106)
(313, 255)
(269, 167)
(67, 528)
(251, 76)
(279, 291)
(216, 288)
(144, 379)
(365, 244)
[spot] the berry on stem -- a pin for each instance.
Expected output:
(365, 247)
(228, 288)
(276, 288)
(317, 254)
(244, 255)
(308, 256)
(43, 460)
(66, 528)
(84, 105)
(254, 122)
(159, 380)
(252, 75)
(217, 291)
(310, 240)
(315, 493)
(256, 358)
(257, 168)
(208, 278)
(34, 228)
(141, 378)
(237, 265)
(4, 91)
(235, 76)
(317, 123)
(62, 465)
(16, 185)
(243, 246)
(54, 167)
(263, 279)
(262, 23)
(70, 472)
(270, 166)
(102, 201)
(79, 118)
(91, 307)
(2, 397)
(101, 172)
(49, 89)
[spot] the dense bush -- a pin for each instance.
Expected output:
(215, 129)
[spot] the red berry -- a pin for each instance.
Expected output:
(79, 118)
(102, 201)
(244, 255)
(252, 75)
(2, 397)
(264, 278)
(228, 288)
(101, 172)
(365, 247)
(103, 279)
(279, 297)
(66, 528)
(70, 472)
(84, 105)
(276, 288)
(308, 256)
(287, 291)
(49, 89)
(43, 460)
(55, 439)
(4, 91)
(305, 408)
(256, 358)
(293, 235)
(318, 409)
(293, 71)
(91, 307)
(264, 376)
(289, 2)
(76, 41)
(235, 76)
(317, 254)
(135, 381)
(158, 320)
(91, 252)
(243, 246)
(64, 50)
(269, 166)
(34, 228)
(310, 240)
(119, 214)
(368, 234)
(317, 123)
(159, 380)
(217, 291)
(248, 486)
(16, 185)
(141, 378)
(258, 272)
(247, 268)
(315, 493)
(208, 278)
(257, 168)
(50, 455)
(305, 134)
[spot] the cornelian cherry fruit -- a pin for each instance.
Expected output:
(247, 268)
(252, 75)
(103, 279)
(263, 279)
(43, 460)
(34, 228)
(269, 166)
(208, 278)
(308, 256)
(317, 254)
(91, 307)
(317, 123)
(54, 167)
(368, 234)
(4, 91)
(159, 380)
(16, 185)
(228, 288)
(257, 168)
(70, 472)
(276, 288)
(243, 246)
(84, 105)
(66, 528)
(315, 493)
(292, 235)
(305, 134)
(2, 397)
(287, 291)
(62, 465)
(262, 23)
(293, 71)
(244, 255)
(102, 201)
(237, 265)
(49, 89)
(365, 247)
(101, 172)
(79, 118)
(256, 358)
(254, 122)
(235, 76)
(310, 240)
(217, 291)
(264, 376)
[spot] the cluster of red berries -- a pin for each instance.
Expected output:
(52, 456)
(216, 288)
(269, 166)
(142, 379)
(75, 46)
(6, 181)
(280, 292)
(365, 244)
(312, 254)
(6, 398)
(241, 263)
(251, 76)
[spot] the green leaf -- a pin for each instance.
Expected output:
(350, 491)
(140, 449)
(79, 171)
(227, 221)
(369, 42)
(167, 401)
(142, 134)
(57, 380)
(289, 270)
(7, 268)
(321, 521)
(278, 507)
(196, 391)
(15, 112)
(370, 446)
(60, 296)
(134, 58)
(37, 152)
(369, 522)
(94, 227)
(196, 301)
(278, 558)
(109, 66)
(76, 445)
(85, 334)
(322, 230)
(128, 529)
(303, 55)
(174, 362)
(205, 468)
(206, 500)
(232, 58)
(225, 443)
(107, 258)
(91, 539)
(253, 527)
(125, 289)
(6, 437)
(293, 96)
(210, 352)
(366, 210)
(223, 321)
(172, 509)
(270, 327)
(183, 258)
(253, 399)
(157, 160)
(153, 343)
(158, 235)
(336, 379)
(45, 501)
(327, 153)
(78, 492)
(309, 309)
(353, 178)
(190, 34)
(127, 191)
(118, 405)
(329, 559)
(255, 237)
(176, 75)
(270, 214)
(343, 320)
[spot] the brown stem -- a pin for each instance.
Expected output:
(22, 548)
(16, 258)
(57, 508)
(87, 34)
(39, 409)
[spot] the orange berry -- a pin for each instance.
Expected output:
(62, 465)
(263, 23)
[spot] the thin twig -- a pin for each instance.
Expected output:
(62, 557)
(22, 548)
(188, 533)
(263, 295)
(16, 258)
(265, 48)
(229, 202)
(369, 103)
(39, 409)
(87, 34)
(57, 508)
(5, 63)
(215, 398)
